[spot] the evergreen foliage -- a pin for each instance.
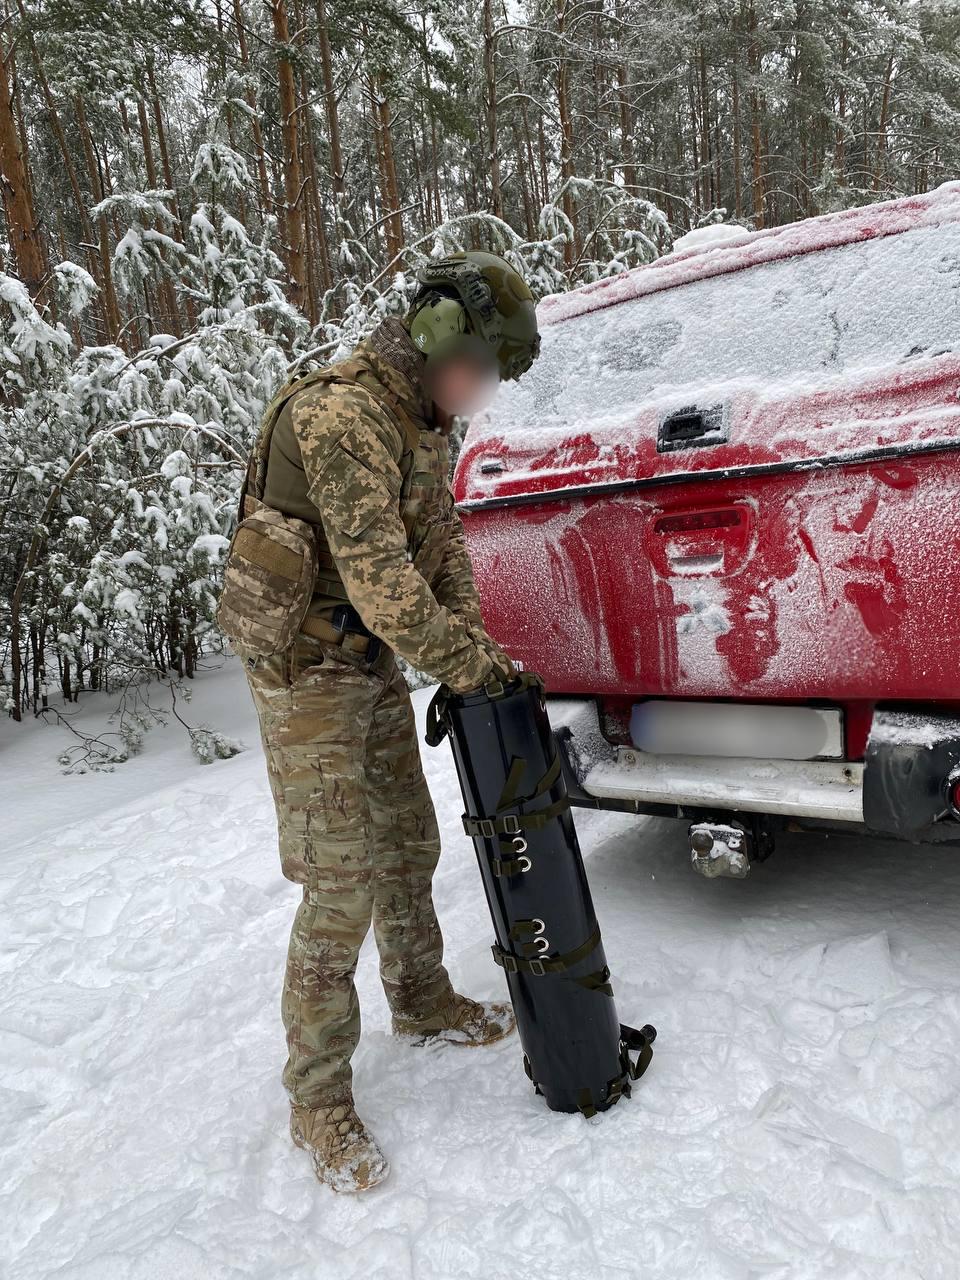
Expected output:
(200, 197)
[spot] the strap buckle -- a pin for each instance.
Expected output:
(503, 958)
(510, 824)
(536, 967)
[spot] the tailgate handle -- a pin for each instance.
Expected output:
(696, 521)
(692, 426)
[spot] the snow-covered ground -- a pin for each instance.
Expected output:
(801, 1117)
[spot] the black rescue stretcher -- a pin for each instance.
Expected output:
(576, 1051)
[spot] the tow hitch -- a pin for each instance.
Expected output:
(729, 848)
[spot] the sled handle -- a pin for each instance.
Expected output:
(438, 719)
(640, 1041)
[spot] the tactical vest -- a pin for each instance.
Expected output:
(258, 608)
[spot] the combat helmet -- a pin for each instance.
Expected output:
(474, 297)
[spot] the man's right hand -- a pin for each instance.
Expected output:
(503, 668)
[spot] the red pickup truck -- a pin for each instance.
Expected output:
(721, 516)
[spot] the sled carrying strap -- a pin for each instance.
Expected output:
(528, 934)
(517, 767)
(538, 965)
(513, 824)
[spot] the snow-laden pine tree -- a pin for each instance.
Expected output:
(127, 466)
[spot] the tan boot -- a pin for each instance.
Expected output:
(345, 1156)
(459, 1021)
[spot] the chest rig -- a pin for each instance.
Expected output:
(425, 505)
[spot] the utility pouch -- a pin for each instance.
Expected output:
(268, 581)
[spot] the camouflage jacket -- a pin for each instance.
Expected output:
(362, 457)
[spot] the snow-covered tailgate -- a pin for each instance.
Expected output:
(735, 475)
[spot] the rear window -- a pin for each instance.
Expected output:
(873, 303)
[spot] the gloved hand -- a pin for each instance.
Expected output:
(503, 666)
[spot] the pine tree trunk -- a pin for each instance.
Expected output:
(93, 173)
(417, 176)
(435, 206)
(167, 295)
(803, 131)
(570, 250)
(840, 149)
(882, 127)
(66, 155)
(705, 148)
(26, 241)
(627, 165)
(25, 148)
(528, 175)
(292, 181)
(330, 107)
(255, 130)
(106, 186)
(373, 160)
(316, 249)
(694, 132)
(389, 188)
(228, 109)
(492, 157)
(753, 54)
(393, 187)
(542, 157)
(174, 205)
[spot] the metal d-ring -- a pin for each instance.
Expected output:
(541, 923)
(519, 844)
(524, 859)
(542, 945)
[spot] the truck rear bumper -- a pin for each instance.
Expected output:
(815, 788)
(901, 789)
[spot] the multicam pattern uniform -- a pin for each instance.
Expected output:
(356, 822)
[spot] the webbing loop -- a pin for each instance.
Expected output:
(540, 966)
(505, 867)
(508, 796)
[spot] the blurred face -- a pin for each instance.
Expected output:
(461, 384)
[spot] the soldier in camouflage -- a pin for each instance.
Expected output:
(359, 450)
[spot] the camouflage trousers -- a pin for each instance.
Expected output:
(358, 831)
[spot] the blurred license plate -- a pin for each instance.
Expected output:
(744, 730)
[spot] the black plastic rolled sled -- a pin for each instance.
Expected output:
(548, 942)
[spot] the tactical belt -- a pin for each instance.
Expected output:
(359, 642)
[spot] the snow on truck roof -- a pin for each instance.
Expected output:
(716, 254)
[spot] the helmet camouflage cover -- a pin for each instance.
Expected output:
(493, 302)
